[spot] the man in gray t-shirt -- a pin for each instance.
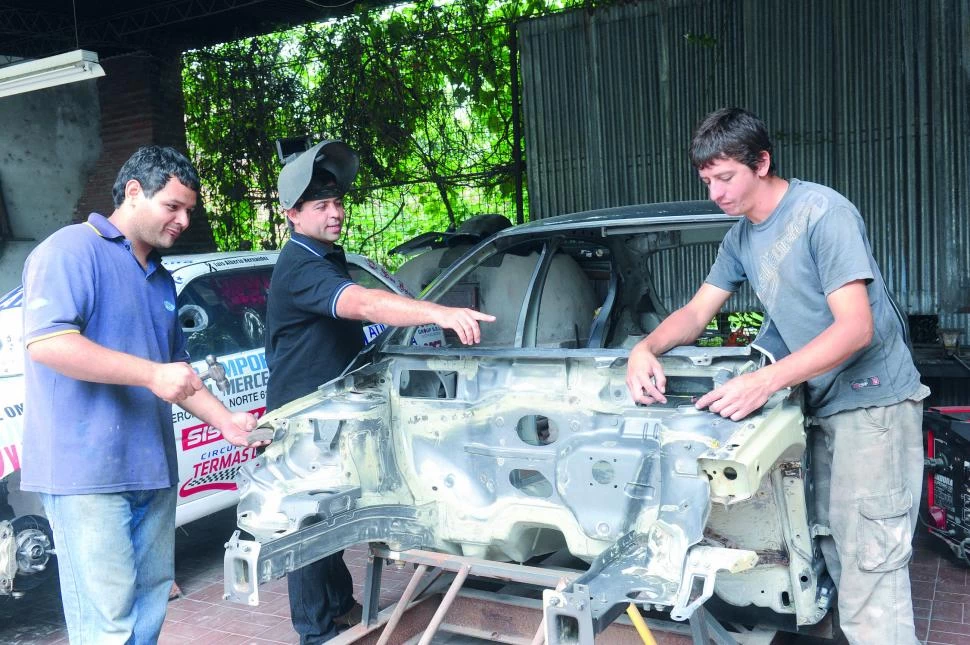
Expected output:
(803, 248)
(813, 244)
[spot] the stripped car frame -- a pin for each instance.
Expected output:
(221, 307)
(531, 443)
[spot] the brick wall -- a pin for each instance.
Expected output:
(141, 104)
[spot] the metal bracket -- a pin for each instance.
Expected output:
(703, 563)
(568, 618)
(248, 563)
(819, 530)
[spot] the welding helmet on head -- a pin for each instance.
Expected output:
(329, 168)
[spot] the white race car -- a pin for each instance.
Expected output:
(222, 309)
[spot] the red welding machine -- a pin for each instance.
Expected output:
(946, 434)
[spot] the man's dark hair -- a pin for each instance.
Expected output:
(731, 133)
(323, 185)
(152, 167)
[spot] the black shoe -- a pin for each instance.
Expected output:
(352, 617)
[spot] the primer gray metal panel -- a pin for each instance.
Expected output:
(869, 97)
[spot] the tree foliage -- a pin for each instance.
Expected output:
(421, 91)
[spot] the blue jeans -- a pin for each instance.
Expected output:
(319, 592)
(116, 563)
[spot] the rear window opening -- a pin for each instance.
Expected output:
(224, 313)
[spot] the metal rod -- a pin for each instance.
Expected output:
(487, 568)
(402, 604)
(698, 627)
(640, 625)
(372, 588)
(540, 636)
(439, 615)
(516, 101)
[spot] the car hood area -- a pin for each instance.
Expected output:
(510, 454)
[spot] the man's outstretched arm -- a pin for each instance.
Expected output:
(375, 305)
(83, 359)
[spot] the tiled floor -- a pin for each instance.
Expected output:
(941, 592)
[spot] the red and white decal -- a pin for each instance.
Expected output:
(218, 470)
(9, 459)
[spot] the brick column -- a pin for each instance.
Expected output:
(141, 104)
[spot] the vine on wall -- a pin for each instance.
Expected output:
(423, 92)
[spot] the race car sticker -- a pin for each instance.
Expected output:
(372, 331)
(207, 462)
(218, 465)
(246, 259)
(429, 335)
(13, 299)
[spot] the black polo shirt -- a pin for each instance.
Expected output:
(306, 343)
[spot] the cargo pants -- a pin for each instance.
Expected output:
(869, 475)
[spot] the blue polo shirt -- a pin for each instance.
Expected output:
(84, 437)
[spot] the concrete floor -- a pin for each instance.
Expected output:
(941, 593)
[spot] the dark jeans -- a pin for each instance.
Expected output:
(320, 592)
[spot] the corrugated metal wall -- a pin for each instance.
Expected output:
(869, 97)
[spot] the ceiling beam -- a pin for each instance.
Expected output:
(173, 13)
(31, 33)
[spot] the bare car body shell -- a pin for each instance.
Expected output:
(222, 308)
(531, 443)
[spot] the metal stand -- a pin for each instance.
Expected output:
(429, 598)
(704, 629)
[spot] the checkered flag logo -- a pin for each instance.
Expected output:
(219, 471)
(218, 480)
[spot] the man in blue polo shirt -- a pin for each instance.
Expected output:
(313, 332)
(105, 362)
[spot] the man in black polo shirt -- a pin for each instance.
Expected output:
(313, 332)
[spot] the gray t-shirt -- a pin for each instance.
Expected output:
(812, 244)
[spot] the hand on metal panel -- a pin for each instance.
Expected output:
(739, 397)
(645, 376)
(238, 431)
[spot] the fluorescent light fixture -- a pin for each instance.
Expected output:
(78, 65)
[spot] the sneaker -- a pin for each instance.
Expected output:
(352, 617)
